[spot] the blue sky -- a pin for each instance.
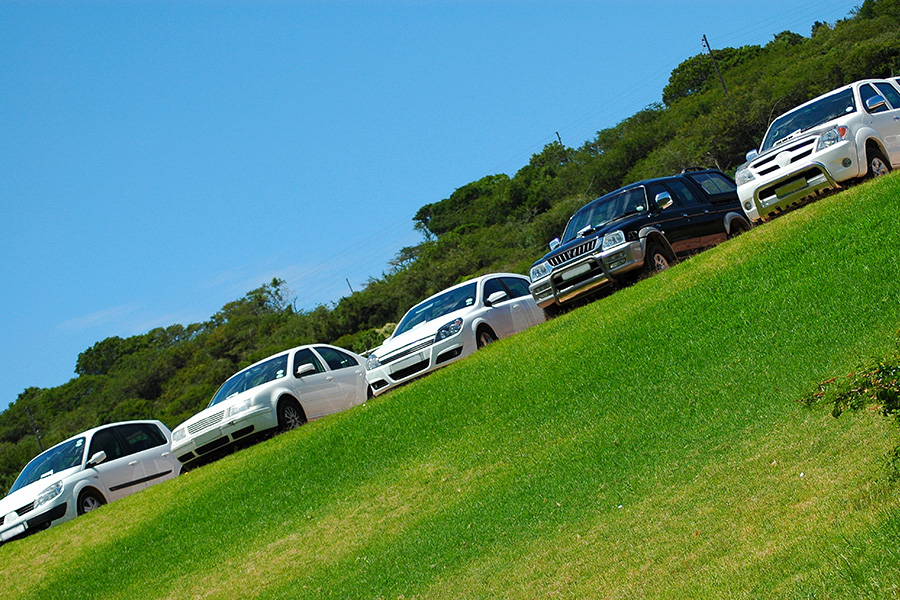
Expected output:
(160, 159)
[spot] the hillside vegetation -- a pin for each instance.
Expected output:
(498, 223)
(649, 445)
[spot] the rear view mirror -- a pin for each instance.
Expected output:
(664, 200)
(496, 297)
(305, 369)
(96, 459)
(752, 154)
(554, 244)
(875, 103)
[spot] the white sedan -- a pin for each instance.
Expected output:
(279, 392)
(451, 325)
(84, 472)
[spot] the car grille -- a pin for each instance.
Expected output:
(204, 423)
(564, 257)
(414, 347)
(798, 151)
(19, 511)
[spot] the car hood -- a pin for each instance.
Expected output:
(811, 132)
(424, 331)
(621, 223)
(28, 494)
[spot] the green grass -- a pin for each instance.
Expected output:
(649, 445)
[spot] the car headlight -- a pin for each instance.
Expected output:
(239, 407)
(611, 240)
(540, 271)
(831, 137)
(48, 495)
(448, 330)
(372, 362)
(743, 176)
(179, 434)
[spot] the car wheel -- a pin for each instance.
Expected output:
(290, 415)
(656, 259)
(485, 336)
(737, 228)
(876, 164)
(88, 500)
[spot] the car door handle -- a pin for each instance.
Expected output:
(132, 463)
(329, 378)
(166, 453)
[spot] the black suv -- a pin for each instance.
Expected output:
(643, 227)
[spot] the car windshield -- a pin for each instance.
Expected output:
(434, 308)
(264, 372)
(802, 119)
(605, 210)
(58, 458)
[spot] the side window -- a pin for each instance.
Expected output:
(306, 357)
(336, 359)
(108, 441)
(140, 436)
(867, 91)
(888, 91)
(517, 287)
(713, 183)
(683, 194)
(491, 286)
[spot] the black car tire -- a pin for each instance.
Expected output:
(88, 500)
(737, 228)
(876, 164)
(290, 415)
(656, 259)
(484, 337)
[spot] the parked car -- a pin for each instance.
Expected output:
(282, 392)
(84, 472)
(450, 326)
(641, 228)
(844, 135)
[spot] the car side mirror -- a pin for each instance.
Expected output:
(554, 244)
(96, 459)
(752, 154)
(876, 103)
(664, 200)
(496, 297)
(305, 369)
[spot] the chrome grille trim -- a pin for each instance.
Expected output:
(414, 347)
(204, 423)
(564, 257)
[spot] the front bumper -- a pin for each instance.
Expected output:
(217, 434)
(587, 274)
(23, 522)
(776, 191)
(419, 358)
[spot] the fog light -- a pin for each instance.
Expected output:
(846, 162)
(748, 205)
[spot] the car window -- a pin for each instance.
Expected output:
(516, 287)
(140, 436)
(867, 91)
(56, 459)
(436, 307)
(682, 193)
(714, 183)
(654, 189)
(108, 441)
(305, 356)
(249, 378)
(336, 359)
(888, 91)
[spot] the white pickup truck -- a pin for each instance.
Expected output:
(847, 134)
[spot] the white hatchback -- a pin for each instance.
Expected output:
(451, 325)
(84, 472)
(279, 392)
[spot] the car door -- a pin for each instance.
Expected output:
(314, 387)
(347, 375)
(526, 312)
(888, 121)
(675, 220)
(502, 315)
(146, 445)
(118, 474)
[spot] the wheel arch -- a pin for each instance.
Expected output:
(650, 235)
(731, 218)
(283, 397)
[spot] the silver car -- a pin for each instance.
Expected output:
(282, 391)
(84, 472)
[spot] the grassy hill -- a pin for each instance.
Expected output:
(649, 445)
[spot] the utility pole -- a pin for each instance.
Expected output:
(34, 429)
(348, 284)
(559, 138)
(715, 64)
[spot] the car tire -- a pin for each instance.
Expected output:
(737, 228)
(656, 259)
(290, 415)
(484, 337)
(876, 164)
(89, 499)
